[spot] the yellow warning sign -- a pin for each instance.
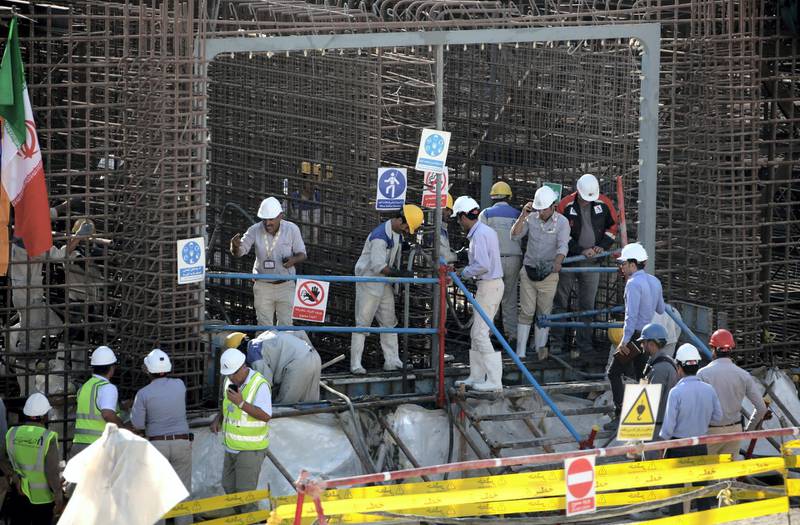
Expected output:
(639, 409)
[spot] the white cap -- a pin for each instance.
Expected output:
(633, 251)
(36, 405)
(230, 361)
(465, 204)
(588, 187)
(157, 362)
(102, 356)
(544, 198)
(687, 354)
(270, 208)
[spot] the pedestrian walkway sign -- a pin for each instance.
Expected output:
(639, 410)
(310, 300)
(432, 152)
(391, 189)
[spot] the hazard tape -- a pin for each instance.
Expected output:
(248, 518)
(794, 444)
(792, 487)
(543, 484)
(792, 461)
(217, 502)
(742, 511)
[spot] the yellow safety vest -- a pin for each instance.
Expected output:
(242, 431)
(27, 447)
(89, 422)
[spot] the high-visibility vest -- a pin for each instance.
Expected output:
(241, 430)
(27, 447)
(89, 422)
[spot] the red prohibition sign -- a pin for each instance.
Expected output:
(580, 478)
(311, 293)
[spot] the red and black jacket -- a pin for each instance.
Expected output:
(604, 220)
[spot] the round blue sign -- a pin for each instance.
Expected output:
(191, 252)
(392, 184)
(434, 145)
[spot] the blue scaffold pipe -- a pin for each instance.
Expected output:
(584, 313)
(544, 323)
(588, 269)
(315, 328)
(696, 341)
(578, 258)
(329, 278)
(514, 357)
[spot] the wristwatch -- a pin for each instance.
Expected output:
(240, 405)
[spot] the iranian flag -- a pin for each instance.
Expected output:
(20, 157)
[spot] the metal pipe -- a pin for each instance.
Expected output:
(328, 278)
(442, 327)
(399, 442)
(331, 329)
(579, 258)
(280, 467)
(578, 324)
(514, 357)
(692, 337)
(589, 269)
(584, 313)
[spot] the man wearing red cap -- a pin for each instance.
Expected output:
(732, 385)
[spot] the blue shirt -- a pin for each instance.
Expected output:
(691, 407)
(484, 254)
(643, 300)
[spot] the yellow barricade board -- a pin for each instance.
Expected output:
(743, 511)
(225, 501)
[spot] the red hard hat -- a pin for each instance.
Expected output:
(722, 340)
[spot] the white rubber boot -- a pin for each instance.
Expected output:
(476, 370)
(494, 373)
(523, 333)
(540, 336)
(391, 360)
(356, 350)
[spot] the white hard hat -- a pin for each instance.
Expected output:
(465, 204)
(270, 208)
(588, 187)
(544, 198)
(157, 362)
(36, 405)
(102, 356)
(230, 361)
(687, 354)
(633, 251)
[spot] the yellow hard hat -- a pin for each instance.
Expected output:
(234, 339)
(500, 189)
(615, 335)
(414, 217)
(305, 167)
(449, 205)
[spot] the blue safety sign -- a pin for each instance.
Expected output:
(391, 191)
(432, 153)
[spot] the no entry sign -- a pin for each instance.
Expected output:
(580, 477)
(429, 189)
(310, 300)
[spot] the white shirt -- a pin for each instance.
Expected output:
(272, 250)
(107, 395)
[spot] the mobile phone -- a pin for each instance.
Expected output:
(233, 387)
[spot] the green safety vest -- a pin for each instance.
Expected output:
(89, 422)
(27, 447)
(242, 431)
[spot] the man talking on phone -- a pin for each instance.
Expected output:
(246, 409)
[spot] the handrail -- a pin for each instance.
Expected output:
(210, 327)
(328, 278)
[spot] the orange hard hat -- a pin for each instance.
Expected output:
(722, 340)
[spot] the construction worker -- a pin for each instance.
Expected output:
(33, 452)
(379, 258)
(692, 406)
(279, 249)
(288, 362)
(160, 410)
(643, 299)
(485, 364)
(445, 250)
(732, 384)
(501, 217)
(593, 228)
(661, 368)
(243, 420)
(97, 401)
(548, 242)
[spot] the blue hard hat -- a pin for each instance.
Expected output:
(654, 332)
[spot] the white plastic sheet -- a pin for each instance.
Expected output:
(121, 479)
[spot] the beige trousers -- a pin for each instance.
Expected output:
(273, 300)
(179, 455)
(729, 447)
(489, 296)
(536, 297)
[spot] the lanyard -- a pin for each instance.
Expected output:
(269, 248)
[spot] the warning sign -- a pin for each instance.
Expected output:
(639, 409)
(429, 189)
(580, 477)
(310, 300)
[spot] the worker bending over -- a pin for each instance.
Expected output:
(548, 242)
(97, 401)
(160, 410)
(33, 452)
(279, 248)
(379, 258)
(485, 364)
(246, 410)
(732, 384)
(501, 217)
(288, 362)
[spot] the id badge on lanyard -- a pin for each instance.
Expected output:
(269, 248)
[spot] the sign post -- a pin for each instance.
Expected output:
(432, 152)
(581, 480)
(391, 191)
(310, 300)
(191, 260)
